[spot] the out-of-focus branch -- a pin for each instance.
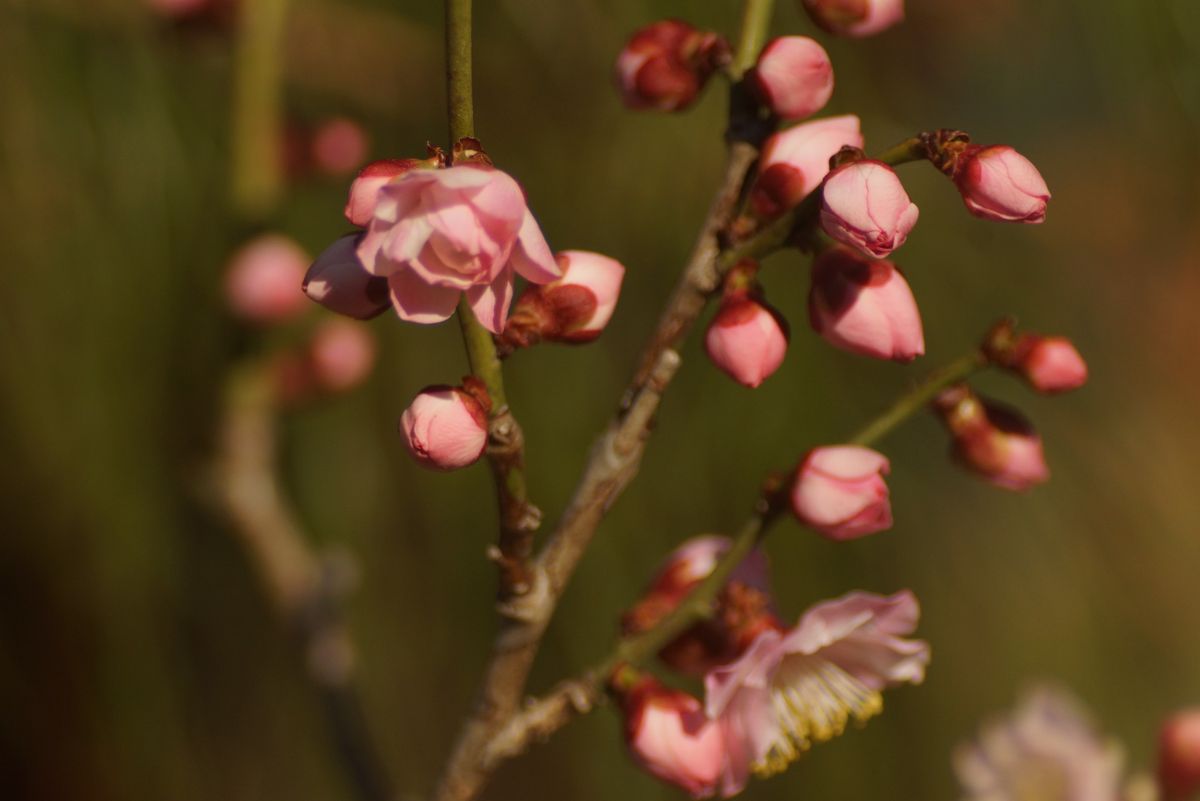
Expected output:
(257, 170)
(304, 589)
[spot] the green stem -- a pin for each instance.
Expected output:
(911, 149)
(756, 23)
(257, 180)
(482, 358)
(460, 105)
(919, 397)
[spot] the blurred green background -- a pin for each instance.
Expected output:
(138, 656)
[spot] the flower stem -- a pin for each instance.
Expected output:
(919, 397)
(756, 22)
(911, 149)
(459, 102)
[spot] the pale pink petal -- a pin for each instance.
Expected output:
(419, 302)
(490, 302)
(531, 257)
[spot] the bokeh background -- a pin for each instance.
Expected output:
(139, 657)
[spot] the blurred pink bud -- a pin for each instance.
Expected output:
(747, 339)
(338, 282)
(1179, 755)
(795, 161)
(342, 354)
(993, 440)
(439, 234)
(574, 309)
(364, 192)
(1051, 364)
(998, 183)
(864, 306)
(793, 77)
(670, 737)
(839, 491)
(865, 206)
(855, 17)
(791, 689)
(339, 146)
(665, 65)
(264, 277)
(445, 428)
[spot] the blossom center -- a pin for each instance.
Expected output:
(813, 701)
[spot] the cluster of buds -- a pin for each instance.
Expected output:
(263, 282)
(772, 691)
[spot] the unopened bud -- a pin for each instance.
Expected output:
(665, 65)
(747, 339)
(864, 306)
(998, 183)
(339, 146)
(793, 77)
(573, 309)
(992, 439)
(364, 192)
(839, 492)
(342, 354)
(445, 428)
(864, 205)
(1179, 756)
(796, 160)
(855, 17)
(264, 277)
(338, 282)
(1050, 364)
(671, 738)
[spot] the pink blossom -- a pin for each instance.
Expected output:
(998, 183)
(445, 428)
(665, 65)
(342, 354)
(747, 340)
(794, 77)
(364, 191)
(855, 17)
(1051, 364)
(839, 491)
(864, 205)
(437, 234)
(993, 440)
(796, 160)
(263, 279)
(338, 282)
(1047, 748)
(670, 737)
(1179, 755)
(864, 306)
(339, 145)
(573, 309)
(792, 689)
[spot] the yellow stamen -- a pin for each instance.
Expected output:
(813, 701)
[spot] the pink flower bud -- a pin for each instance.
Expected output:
(855, 17)
(1051, 364)
(998, 183)
(795, 161)
(864, 306)
(339, 146)
(747, 340)
(338, 282)
(1179, 755)
(264, 277)
(445, 428)
(839, 491)
(865, 206)
(342, 354)
(574, 309)
(793, 77)
(666, 64)
(993, 440)
(364, 192)
(669, 735)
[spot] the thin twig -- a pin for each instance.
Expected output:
(305, 589)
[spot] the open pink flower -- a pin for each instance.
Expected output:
(998, 183)
(839, 491)
(669, 735)
(864, 306)
(864, 205)
(796, 160)
(792, 689)
(364, 189)
(436, 234)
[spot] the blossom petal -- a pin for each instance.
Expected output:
(531, 257)
(419, 302)
(490, 301)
